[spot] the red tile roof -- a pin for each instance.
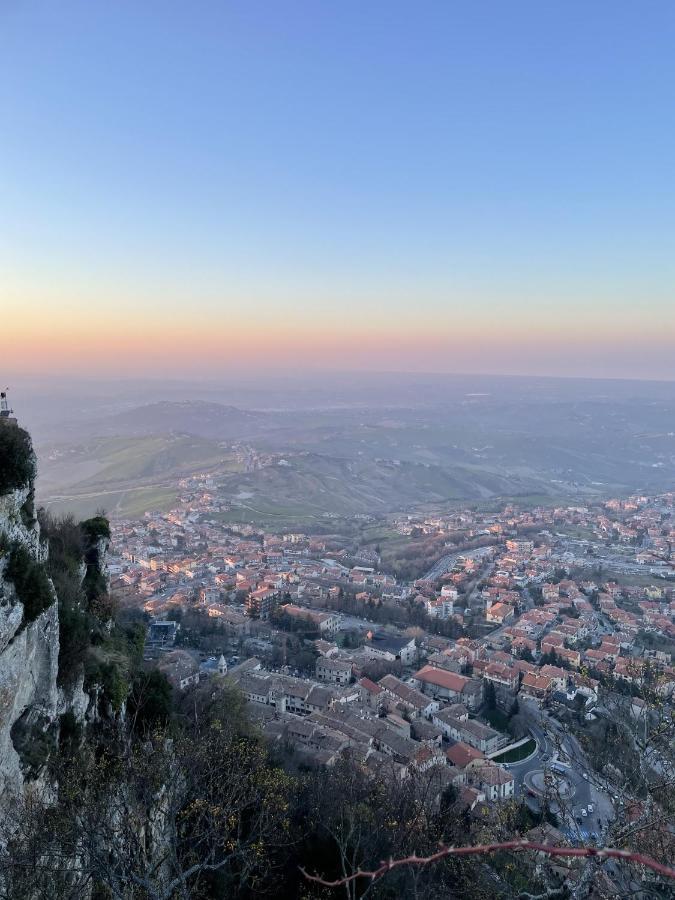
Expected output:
(451, 681)
(461, 754)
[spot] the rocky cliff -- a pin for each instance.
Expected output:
(29, 650)
(31, 698)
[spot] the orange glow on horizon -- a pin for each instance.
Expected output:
(145, 343)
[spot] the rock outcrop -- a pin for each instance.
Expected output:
(29, 651)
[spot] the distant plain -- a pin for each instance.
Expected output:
(304, 450)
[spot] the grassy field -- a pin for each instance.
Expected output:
(126, 476)
(311, 484)
(130, 504)
(279, 518)
(133, 504)
(522, 752)
(132, 460)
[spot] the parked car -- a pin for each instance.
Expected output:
(590, 807)
(584, 813)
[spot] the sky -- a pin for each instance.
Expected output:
(192, 188)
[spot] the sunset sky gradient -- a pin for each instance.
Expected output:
(446, 187)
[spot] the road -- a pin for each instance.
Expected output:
(443, 565)
(521, 770)
(560, 746)
(446, 563)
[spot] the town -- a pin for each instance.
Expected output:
(502, 668)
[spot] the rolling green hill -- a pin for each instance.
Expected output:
(310, 485)
(126, 476)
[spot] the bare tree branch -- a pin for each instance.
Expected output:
(551, 850)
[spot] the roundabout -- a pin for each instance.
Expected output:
(546, 781)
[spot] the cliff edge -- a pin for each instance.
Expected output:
(29, 623)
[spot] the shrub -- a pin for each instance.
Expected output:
(66, 553)
(95, 528)
(94, 584)
(150, 700)
(74, 631)
(66, 542)
(111, 676)
(31, 582)
(70, 733)
(17, 461)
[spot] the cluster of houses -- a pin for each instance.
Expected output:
(407, 726)
(639, 521)
(547, 637)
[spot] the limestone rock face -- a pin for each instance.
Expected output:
(13, 529)
(28, 691)
(29, 655)
(12, 522)
(101, 552)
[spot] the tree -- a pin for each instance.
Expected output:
(150, 701)
(30, 580)
(354, 815)
(17, 461)
(197, 812)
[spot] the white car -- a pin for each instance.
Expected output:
(584, 776)
(584, 813)
(590, 807)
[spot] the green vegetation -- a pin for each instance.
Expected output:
(30, 581)
(94, 583)
(655, 641)
(96, 528)
(123, 460)
(91, 641)
(66, 557)
(522, 752)
(127, 502)
(497, 719)
(551, 658)
(294, 624)
(240, 819)
(113, 660)
(490, 698)
(134, 503)
(70, 733)
(17, 461)
(150, 701)
(128, 475)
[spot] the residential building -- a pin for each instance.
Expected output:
(493, 780)
(381, 645)
(333, 671)
(444, 685)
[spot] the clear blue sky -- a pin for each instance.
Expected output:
(433, 168)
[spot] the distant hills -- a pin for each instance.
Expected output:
(524, 438)
(198, 417)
